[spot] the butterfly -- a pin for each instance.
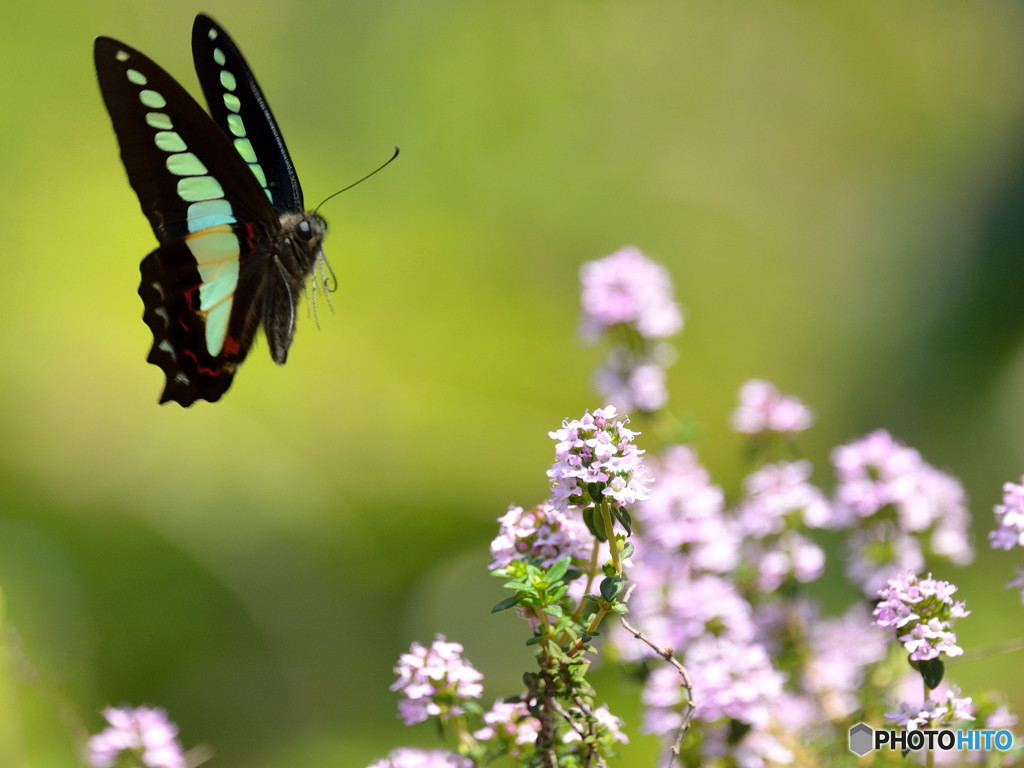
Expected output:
(236, 245)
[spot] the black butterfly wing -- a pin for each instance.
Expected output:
(202, 288)
(238, 106)
(204, 298)
(185, 170)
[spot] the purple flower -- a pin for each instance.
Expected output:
(512, 724)
(145, 733)
(1010, 518)
(942, 709)
(631, 383)
(627, 288)
(732, 679)
(685, 511)
(434, 681)
(596, 461)
(877, 553)
(791, 555)
(662, 698)
(873, 472)
(542, 533)
(606, 720)
(778, 493)
(411, 757)
(841, 651)
(877, 473)
(919, 612)
(763, 409)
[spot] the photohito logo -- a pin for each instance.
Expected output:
(864, 738)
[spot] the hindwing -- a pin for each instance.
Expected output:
(201, 298)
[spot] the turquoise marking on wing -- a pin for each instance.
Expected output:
(152, 99)
(186, 164)
(232, 102)
(209, 213)
(121, 55)
(218, 54)
(169, 141)
(192, 189)
(216, 253)
(158, 120)
(227, 80)
(134, 76)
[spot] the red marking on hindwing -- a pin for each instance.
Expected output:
(246, 242)
(199, 368)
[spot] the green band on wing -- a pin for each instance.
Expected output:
(232, 102)
(152, 99)
(192, 189)
(244, 148)
(235, 124)
(169, 141)
(261, 177)
(134, 76)
(219, 57)
(159, 120)
(227, 80)
(209, 213)
(186, 164)
(216, 254)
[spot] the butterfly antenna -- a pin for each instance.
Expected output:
(379, 168)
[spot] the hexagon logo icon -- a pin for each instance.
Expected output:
(861, 739)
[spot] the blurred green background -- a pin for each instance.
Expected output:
(837, 190)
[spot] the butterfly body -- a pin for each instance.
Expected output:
(220, 192)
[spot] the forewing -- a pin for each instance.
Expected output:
(183, 168)
(239, 108)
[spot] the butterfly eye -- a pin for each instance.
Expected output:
(303, 230)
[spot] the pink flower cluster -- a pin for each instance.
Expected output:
(434, 681)
(919, 612)
(596, 461)
(627, 288)
(543, 534)
(627, 299)
(764, 409)
(144, 733)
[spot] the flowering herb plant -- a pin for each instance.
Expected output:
(637, 558)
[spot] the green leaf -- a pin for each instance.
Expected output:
(598, 529)
(557, 571)
(622, 515)
(611, 588)
(505, 604)
(931, 671)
